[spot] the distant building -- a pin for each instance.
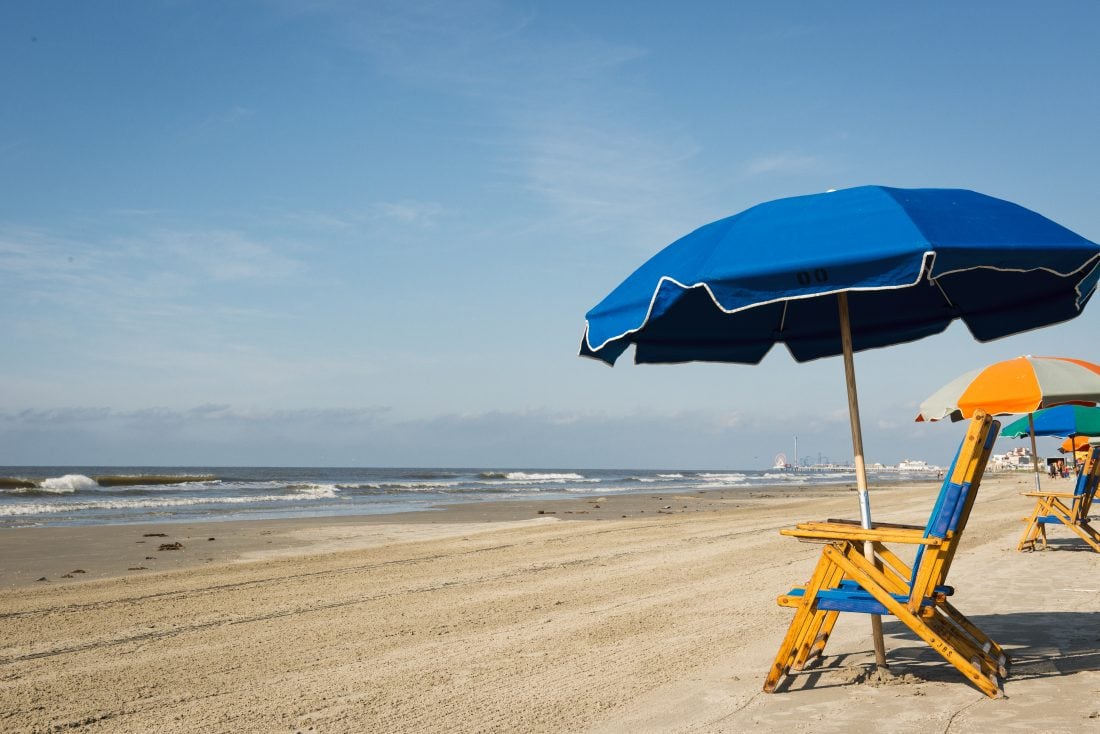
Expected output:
(1017, 459)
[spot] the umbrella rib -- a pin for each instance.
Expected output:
(944, 294)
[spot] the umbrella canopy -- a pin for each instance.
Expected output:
(1021, 385)
(911, 260)
(1061, 421)
(1077, 443)
(1078, 449)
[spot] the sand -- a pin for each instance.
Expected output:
(522, 617)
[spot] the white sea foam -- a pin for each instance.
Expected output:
(520, 476)
(722, 478)
(315, 491)
(68, 484)
(401, 486)
(670, 476)
(49, 508)
(818, 477)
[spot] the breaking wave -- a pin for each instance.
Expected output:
(68, 484)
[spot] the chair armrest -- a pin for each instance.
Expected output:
(1049, 494)
(847, 526)
(902, 526)
(825, 531)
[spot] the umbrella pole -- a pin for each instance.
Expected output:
(1034, 451)
(857, 450)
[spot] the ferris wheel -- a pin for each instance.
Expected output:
(780, 461)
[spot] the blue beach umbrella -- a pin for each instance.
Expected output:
(1062, 421)
(843, 271)
(911, 261)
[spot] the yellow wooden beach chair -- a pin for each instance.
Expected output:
(1066, 508)
(845, 580)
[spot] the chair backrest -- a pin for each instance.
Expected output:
(1087, 482)
(952, 508)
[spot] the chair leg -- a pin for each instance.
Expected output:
(817, 648)
(1034, 529)
(816, 635)
(1043, 535)
(1031, 533)
(796, 632)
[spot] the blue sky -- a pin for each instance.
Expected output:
(340, 233)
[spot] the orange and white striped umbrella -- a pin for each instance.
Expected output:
(1021, 385)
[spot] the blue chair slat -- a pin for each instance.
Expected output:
(849, 584)
(846, 600)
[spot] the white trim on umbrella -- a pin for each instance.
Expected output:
(927, 264)
(927, 259)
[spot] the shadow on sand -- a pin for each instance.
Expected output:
(1039, 644)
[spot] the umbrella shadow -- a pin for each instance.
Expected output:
(1039, 645)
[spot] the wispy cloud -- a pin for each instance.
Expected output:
(205, 413)
(782, 163)
(419, 213)
(205, 434)
(222, 119)
(35, 254)
(165, 298)
(462, 45)
(223, 255)
(124, 264)
(601, 177)
(571, 114)
(222, 432)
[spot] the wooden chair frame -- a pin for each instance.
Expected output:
(857, 572)
(1066, 508)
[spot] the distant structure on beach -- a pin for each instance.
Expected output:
(908, 466)
(1016, 459)
(915, 465)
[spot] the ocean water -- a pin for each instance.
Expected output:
(74, 495)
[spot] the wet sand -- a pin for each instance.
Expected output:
(522, 616)
(52, 554)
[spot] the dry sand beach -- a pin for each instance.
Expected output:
(619, 614)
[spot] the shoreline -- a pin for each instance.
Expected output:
(66, 554)
(76, 496)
